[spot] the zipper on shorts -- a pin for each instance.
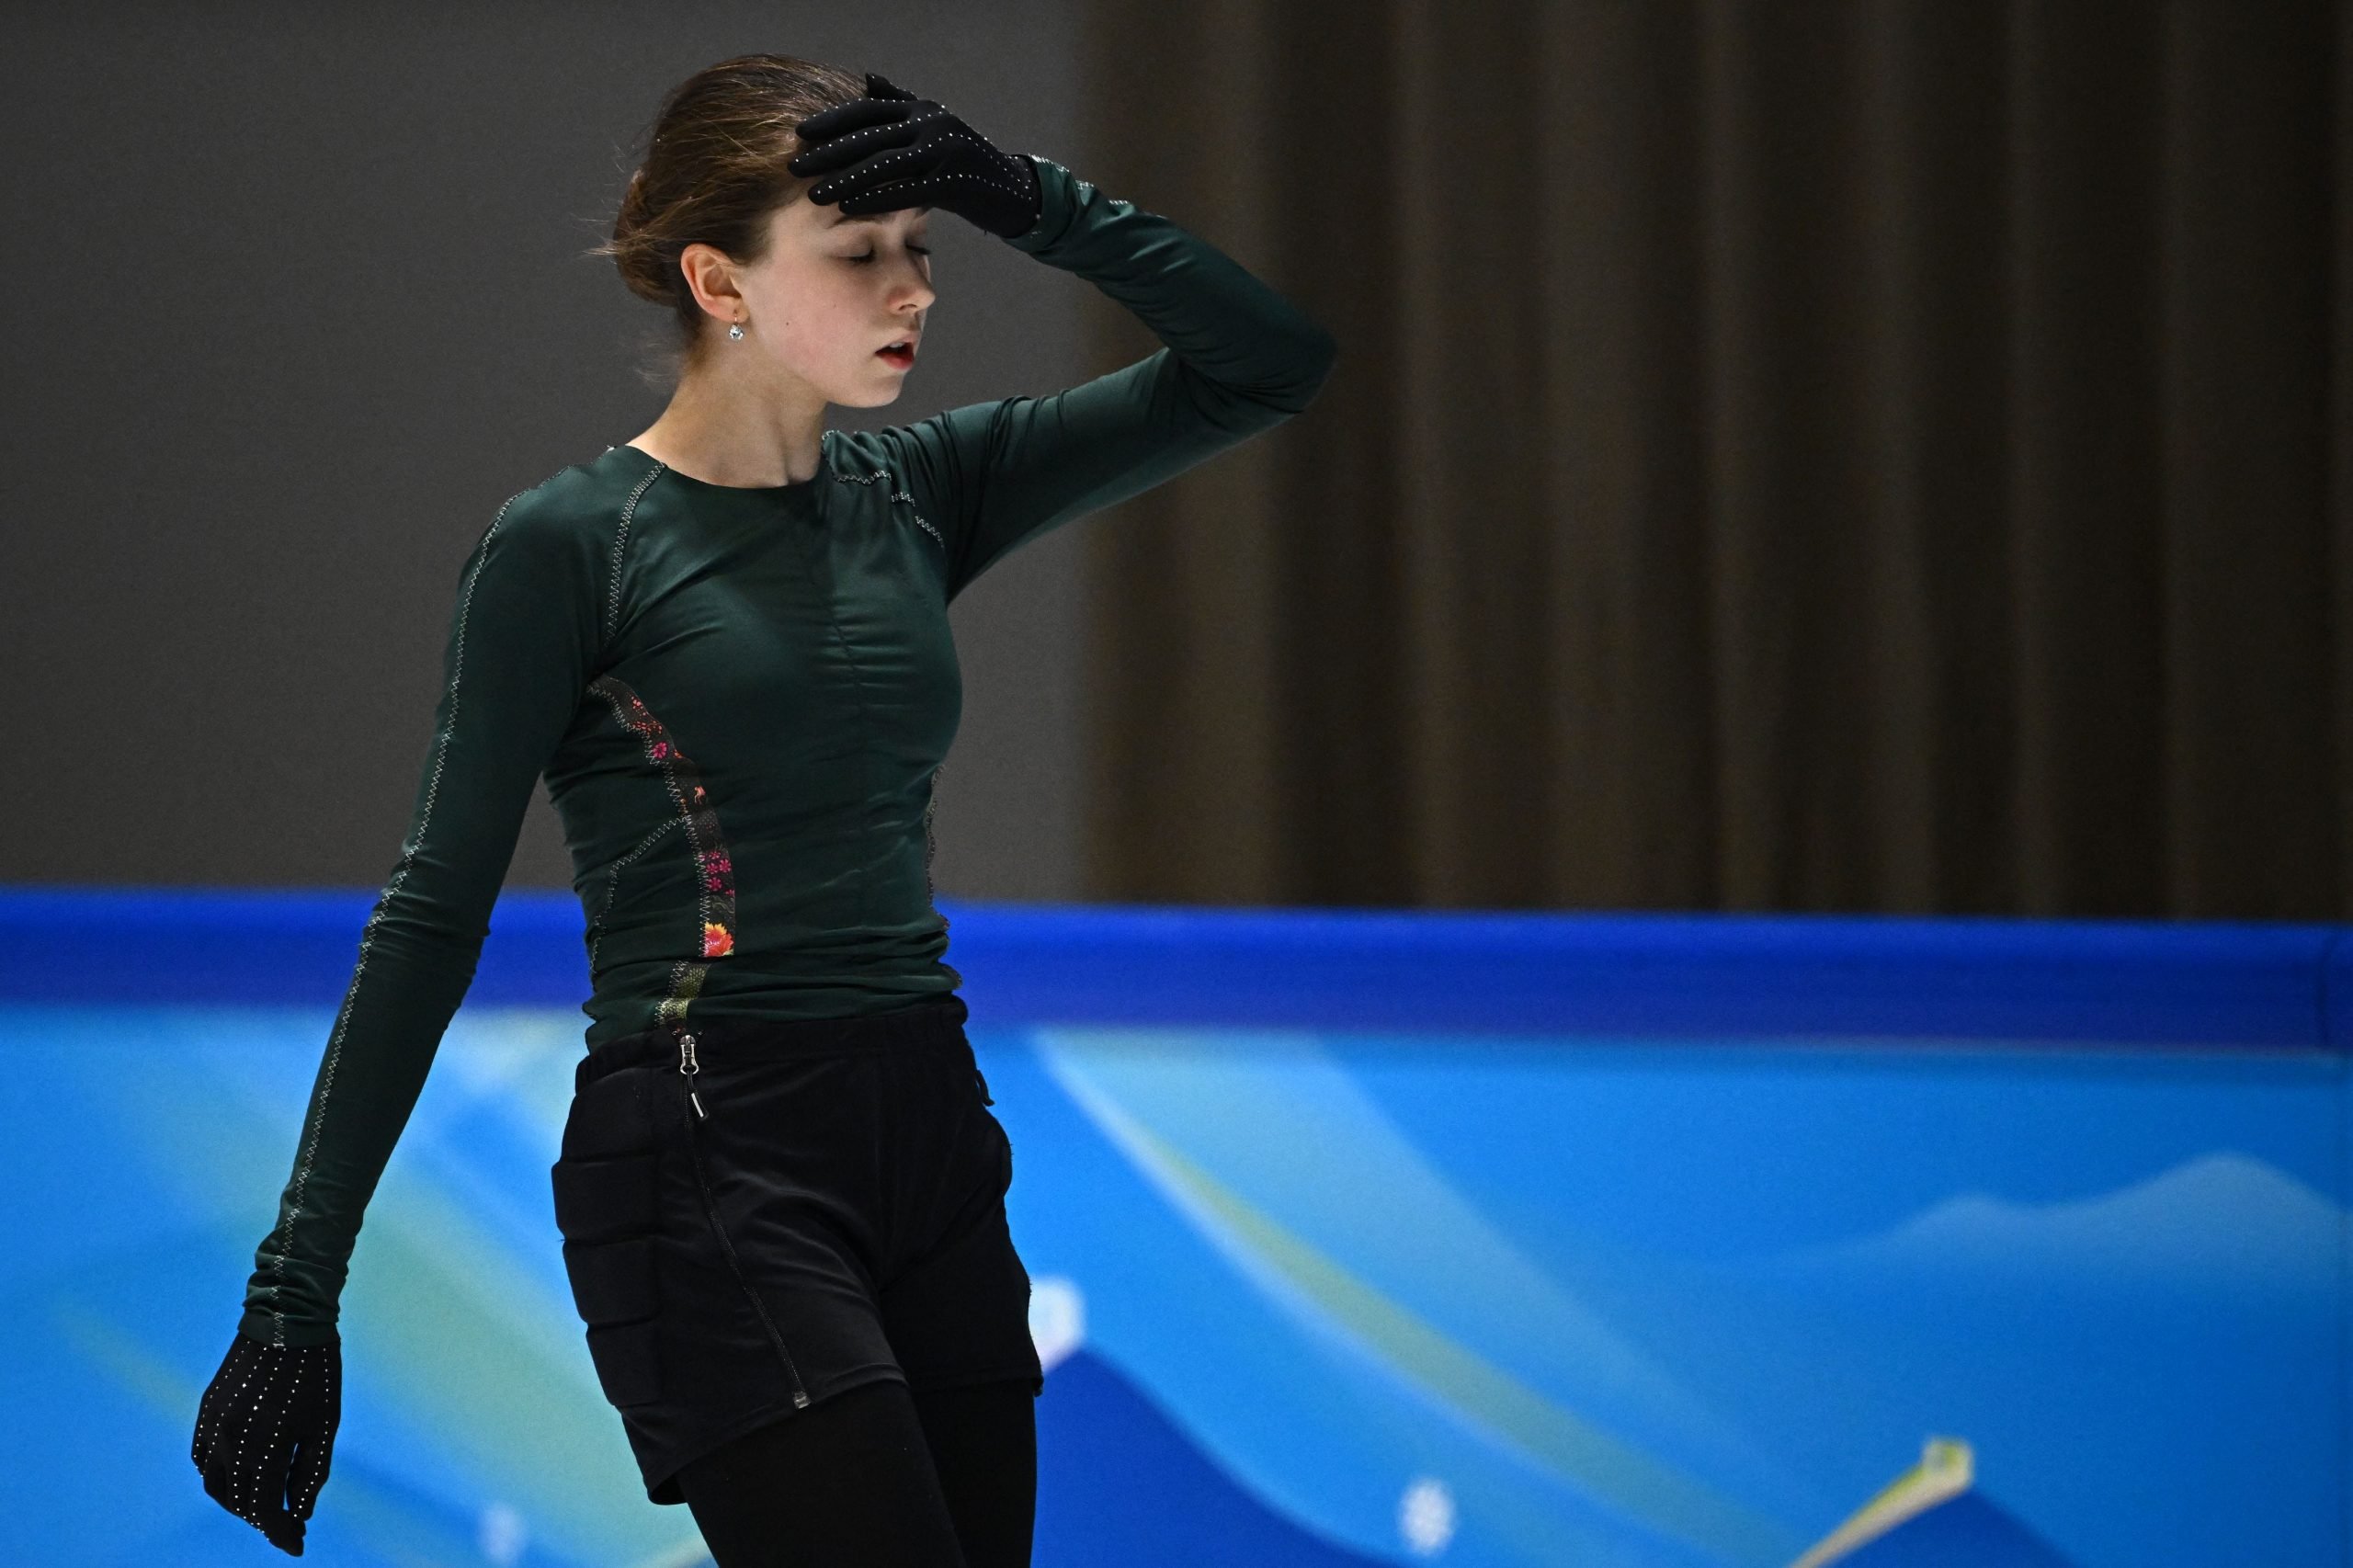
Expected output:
(688, 1068)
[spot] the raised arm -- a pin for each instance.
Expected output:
(521, 639)
(1240, 360)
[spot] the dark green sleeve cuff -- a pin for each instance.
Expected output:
(1057, 189)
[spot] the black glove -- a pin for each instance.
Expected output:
(891, 149)
(266, 1431)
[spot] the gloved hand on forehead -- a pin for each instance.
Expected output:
(891, 150)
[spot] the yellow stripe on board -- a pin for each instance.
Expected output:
(1946, 1468)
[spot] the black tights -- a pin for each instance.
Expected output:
(878, 1477)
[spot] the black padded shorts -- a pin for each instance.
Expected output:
(759, 1214)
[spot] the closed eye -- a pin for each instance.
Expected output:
(869, 254)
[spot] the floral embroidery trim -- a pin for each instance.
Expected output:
(685, 985)
(714, 867)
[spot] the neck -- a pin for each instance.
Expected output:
(724, 425)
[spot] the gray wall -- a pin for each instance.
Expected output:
(295, 301)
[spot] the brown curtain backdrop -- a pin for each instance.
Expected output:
(1839, 456)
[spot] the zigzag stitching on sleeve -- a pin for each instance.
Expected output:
(621, 540)
(285, 1232)
(884, 478)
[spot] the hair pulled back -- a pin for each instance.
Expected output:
(714, 171)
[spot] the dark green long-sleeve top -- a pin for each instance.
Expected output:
(739, 697)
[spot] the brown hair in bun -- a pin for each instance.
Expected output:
(713, 172)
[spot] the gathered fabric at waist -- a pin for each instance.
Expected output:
(633, 997)
(732, 1039)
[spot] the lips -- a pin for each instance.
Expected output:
(898, 353)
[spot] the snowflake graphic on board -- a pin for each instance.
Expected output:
(1425, 1515)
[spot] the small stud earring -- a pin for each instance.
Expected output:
(735, 331)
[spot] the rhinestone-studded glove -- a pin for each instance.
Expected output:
(266, 1432)
(891, 149)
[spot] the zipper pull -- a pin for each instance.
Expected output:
(688, 1068)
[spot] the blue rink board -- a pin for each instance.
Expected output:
(1471, 1239)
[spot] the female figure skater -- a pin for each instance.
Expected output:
(725, 643)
